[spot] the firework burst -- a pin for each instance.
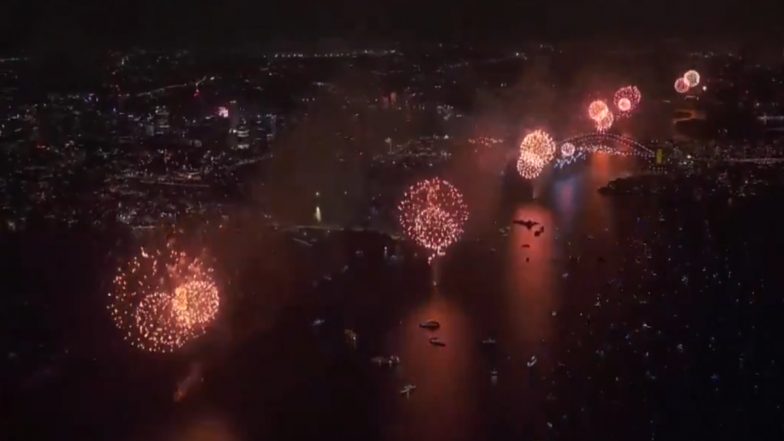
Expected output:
(567, 149)
(605, 123)
(162, 299)
(626, 100)
(598, 110)
(681, 86)
(432, 214)
(692, 78)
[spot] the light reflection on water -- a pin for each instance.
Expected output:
(454, 397)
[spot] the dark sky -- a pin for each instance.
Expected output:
(93, 23)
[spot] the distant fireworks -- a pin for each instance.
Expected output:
(627, 99)
(536, 150)
(692, 78)
(567, 149)
(598, 110)
(681, 86)
(432, 214)
(689, 80)
(162, 299)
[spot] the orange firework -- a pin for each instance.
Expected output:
(540, 144)
(432, 214)
(597, 110)
(536, 150)
(163, 299)
(681, 86)
(605, 123)
(626, 100)
(529, 166)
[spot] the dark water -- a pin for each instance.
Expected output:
(625, 319)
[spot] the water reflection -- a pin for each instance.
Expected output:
(203, 427)
(443, 375)
(530, 296)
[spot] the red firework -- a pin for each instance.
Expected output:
(432, 214)
(626, 100)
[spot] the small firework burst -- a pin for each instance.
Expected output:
(692, 78)
(529, 166)
(605, 123)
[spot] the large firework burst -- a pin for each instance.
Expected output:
(626, 100)
(567, 149)
(432, 214)
(162, 299)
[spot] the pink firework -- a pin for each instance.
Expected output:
(597, 110)
(681, 86)
(432, 214)
(627, 99)
(529, 165)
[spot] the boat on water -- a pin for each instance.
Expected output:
(430, 324)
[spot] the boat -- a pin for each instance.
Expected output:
(430, 324)
(435, 341)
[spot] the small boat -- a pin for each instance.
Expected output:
(407, 389)
(430, 324)
(435, 341)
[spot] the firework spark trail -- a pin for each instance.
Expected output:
(598, 110)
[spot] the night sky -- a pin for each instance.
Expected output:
(34, 24)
